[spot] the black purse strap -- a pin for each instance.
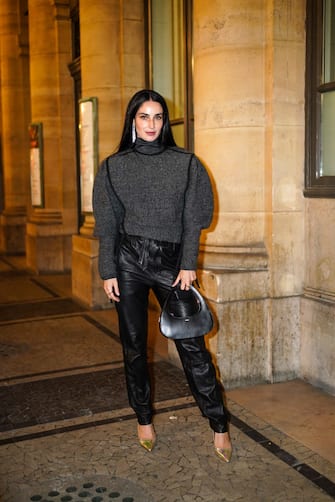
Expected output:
(183, 302)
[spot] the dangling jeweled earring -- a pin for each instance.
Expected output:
(133, 132)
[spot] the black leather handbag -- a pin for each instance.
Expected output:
(185, 314)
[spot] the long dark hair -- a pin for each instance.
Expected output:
(166, 135)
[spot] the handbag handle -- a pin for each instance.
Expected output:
(187, 326)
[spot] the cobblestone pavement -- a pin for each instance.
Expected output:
(67, 433)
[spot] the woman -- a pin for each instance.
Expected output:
(151, 199)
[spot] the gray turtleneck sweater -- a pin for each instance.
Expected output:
(151, 192)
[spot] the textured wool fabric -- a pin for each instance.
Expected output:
(155, 193)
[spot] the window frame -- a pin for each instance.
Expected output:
(188, 120)
(315, 185)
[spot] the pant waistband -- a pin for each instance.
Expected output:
(138, 238)
(152, 250)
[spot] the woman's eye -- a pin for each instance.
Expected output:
(147, 117)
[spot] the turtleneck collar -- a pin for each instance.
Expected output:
(148, 147)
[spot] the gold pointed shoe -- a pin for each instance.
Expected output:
(224, 453)
(146, 443)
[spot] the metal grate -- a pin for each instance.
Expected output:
(95, 489)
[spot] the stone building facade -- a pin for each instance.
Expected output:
(267, 262)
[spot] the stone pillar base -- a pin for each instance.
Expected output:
(86, 282)
(12, 231)
(256, 336)
(48, 253)
(48, 245)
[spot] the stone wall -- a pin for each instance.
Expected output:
(15, 115)
(49, 228)
(317, 357)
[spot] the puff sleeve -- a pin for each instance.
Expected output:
(198, 212)
(108, 213)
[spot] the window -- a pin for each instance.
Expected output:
(170, 62)
(320, 99)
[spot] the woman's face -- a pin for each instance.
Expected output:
(149, 120)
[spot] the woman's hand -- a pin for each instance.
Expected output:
(111, 287)
(185, 277)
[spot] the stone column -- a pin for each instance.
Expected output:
(112, 68)
(15, 113)
(242, 135)
(50, 228)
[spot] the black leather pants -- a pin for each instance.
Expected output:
(146, 264)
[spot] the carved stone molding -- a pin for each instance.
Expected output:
(320, 295)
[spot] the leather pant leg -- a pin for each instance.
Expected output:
(201, 376)
(133, 323)
(141, 263)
